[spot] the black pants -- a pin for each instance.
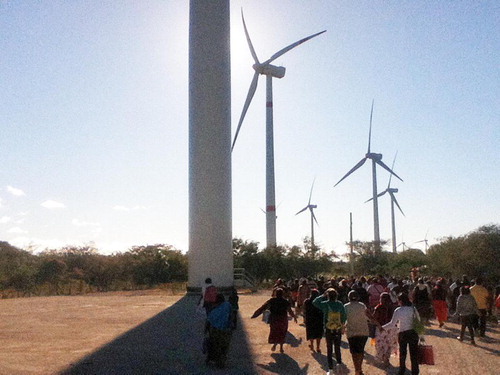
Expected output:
(482, 322)
(467, 322)
(408, 338)
(333, 339)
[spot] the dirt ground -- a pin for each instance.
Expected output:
(152, 333)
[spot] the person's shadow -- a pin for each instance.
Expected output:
(285, 365)
(292, 340)
(168, 343)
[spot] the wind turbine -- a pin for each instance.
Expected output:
(391, 192)
(270, 71)
(311, 208)
(376, 159)
(425, 241)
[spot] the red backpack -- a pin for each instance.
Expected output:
(210, 294)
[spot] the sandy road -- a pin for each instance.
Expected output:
(151, 333)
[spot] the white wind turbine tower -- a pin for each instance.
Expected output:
(311, 208)
(376, 159)
(391, 192)
(270, 71)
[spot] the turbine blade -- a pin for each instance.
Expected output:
(250, 45)
(392, 168)
(370, 132)
(360, 163)
(381, 163)
(293, 45)
(311, 193)
(378, 196)
(305, 208)
(314, 216)
(397, 204)
(251, 92)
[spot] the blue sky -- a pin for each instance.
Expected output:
(94, 120)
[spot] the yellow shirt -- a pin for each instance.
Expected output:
(480, 294)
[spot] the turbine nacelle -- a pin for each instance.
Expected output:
(374, 156)
(313, 206)
(392, 190)
(270, 70)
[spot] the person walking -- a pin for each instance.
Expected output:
(481, 295)
(334, 318)
(219, 331)
(422, 300)
(386, 340)
(233, 300)
(313, 318)
(439, 303)
(404, 317)
(455, 292)
(356, 327)
(279, 309)
(374, 291)
(467, 311)
(208, 295)
(207, 300)
(303, 293)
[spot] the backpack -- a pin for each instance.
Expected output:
(333, 320)
(421, 294)
(210, 294)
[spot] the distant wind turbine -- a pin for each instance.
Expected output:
(311, 208)
(391, 192)
(270, 71)
(376, 159)
(425, 241)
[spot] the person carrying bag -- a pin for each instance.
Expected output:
(407, 316)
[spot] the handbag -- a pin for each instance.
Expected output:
(418, 326)
(265, 316)
(425, 354)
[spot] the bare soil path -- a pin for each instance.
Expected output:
(152, 333)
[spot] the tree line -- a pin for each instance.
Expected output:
(78, 270)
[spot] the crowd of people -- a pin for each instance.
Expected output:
(391, 311)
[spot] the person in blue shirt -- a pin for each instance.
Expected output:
(334, 318)
(219, 331)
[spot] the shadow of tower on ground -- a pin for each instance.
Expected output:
(168, 343)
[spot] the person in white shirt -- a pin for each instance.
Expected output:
(403, 316)
(356, 328)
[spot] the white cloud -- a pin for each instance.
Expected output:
(80, 223)
(4, 219)
(17, 230)
(15, 191)
(50, 204)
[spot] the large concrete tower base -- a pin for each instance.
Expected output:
(210, 238)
